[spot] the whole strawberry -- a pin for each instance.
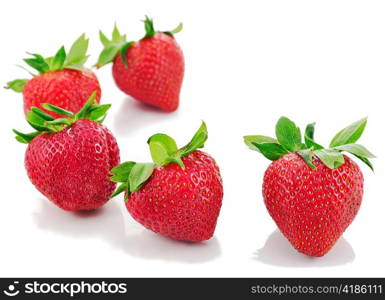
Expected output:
(312, 193)
(62, 80)
(180, 194)
(150, 70)
(69, 159)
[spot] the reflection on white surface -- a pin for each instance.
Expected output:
(133, 114)
(120, 230)
(278, 251)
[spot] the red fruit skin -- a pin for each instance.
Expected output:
(181, 204)
(68, 89)
(312, 208)
(154, 73)
(72, 167)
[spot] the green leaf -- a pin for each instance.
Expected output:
(123, 52)
(258, 139)
(288, 134)
(107, 55)
(122, 171)
(121, 188)
(116, 36)
(168, 142)
(112, 47)
(49, 60)
(366, 161)
(271, 151)
(25, 138)
(105, 41)
(98, 111)
(158, 153)
(307, 155)
(176, 158)
(60, 121)
(139, 174)
(85, 110)
(35, 118)
(350, 134)
(162, 147)
(41, 128)
(21, 140)
(57, 110)
(16, 85)
(42, 114)
(311, 144)
(356, 149)
(309, 138)
(39, 122)
(123, 168)
(38, 63)
(149, 27)
(196, 142)
(78, 52)
(177, 29)
(309, 131)
(331, 158)
(58, 60)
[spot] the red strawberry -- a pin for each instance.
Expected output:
(312, 193)
(180, 194)
(150, 70)
(69, 159)
(62, 80)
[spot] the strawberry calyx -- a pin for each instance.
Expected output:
(164, 151)
(150, 31)
(118, 44)
(288, 139)
(112, 47)
(43, 122)
(75, 59)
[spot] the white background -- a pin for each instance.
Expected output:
(247, 63)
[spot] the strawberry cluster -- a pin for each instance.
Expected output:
(73, 159)
(312, 193)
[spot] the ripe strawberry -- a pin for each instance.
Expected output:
(150, 70)
(69, 159)
(62, 80)
(312, 193)
(180, 194)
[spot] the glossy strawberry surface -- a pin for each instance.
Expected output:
(312, 208)
(154, 71)
(68, 89)
(72, 167)
(181, 204)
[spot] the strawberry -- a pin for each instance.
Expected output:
(179, 195)
(312, 193)
(69, 159)
(149, 70)
(62, 80)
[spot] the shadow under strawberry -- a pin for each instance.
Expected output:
(110, 224)
(133, 115)
(278, 251)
